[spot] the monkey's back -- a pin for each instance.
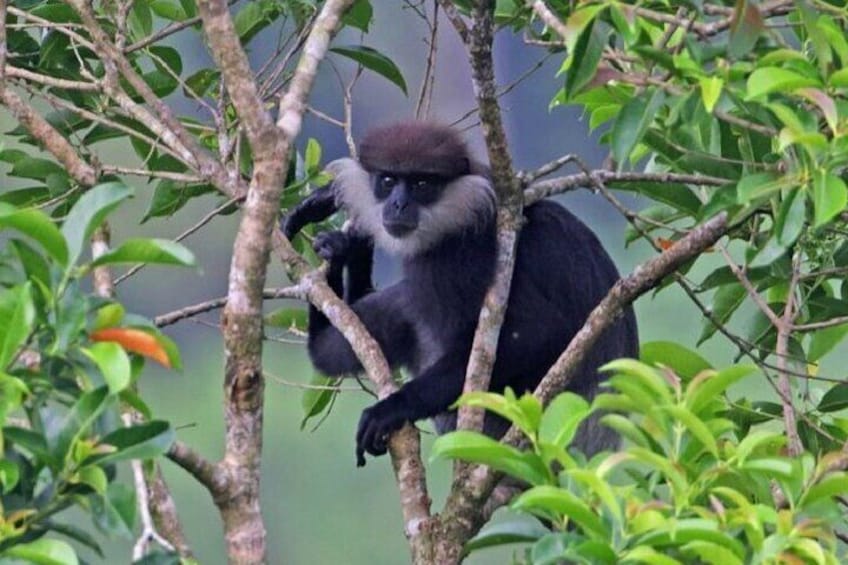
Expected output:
(562, 272)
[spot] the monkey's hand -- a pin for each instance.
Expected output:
(334, 247)
(377, 423)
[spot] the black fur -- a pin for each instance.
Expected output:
(426, 321)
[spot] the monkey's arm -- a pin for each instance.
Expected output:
(431, 393)
(382, 312)
(316, 207)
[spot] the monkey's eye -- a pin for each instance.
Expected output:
(385, 185)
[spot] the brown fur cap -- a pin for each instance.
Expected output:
(420, 147)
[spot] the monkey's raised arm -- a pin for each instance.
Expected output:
(316, 207)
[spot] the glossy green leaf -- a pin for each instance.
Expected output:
(562, 418)
(544, 499)
(315, 400)
(683, 361)
(477, 448)
(39, 227)
(17, 316)
(373, 60)
(141, 441)
(633, 122)
(503, 533)
(835, 484)
(767, 80)
(695, 426)
(709, 388)
(746, 25)
(169, 10)
(830, 195)
(359, 15)
(89, 212)
(288, 318)
(711, 91)
(113, 362)
(824, 340)
(835, 399)
(583, 63)
(9, 475)
(151, 251)
(791, 217)
(78, 420)
(43, 551)
(109, 315)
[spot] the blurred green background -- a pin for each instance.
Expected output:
(319, 507)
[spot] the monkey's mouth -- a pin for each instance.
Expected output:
(399, 228)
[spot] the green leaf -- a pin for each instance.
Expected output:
(766, 80)
(359, 15)
(93, 476)
(830, 196)
(109, 315)
(770, 467)
(825, 340)
(726, 301)
(758, 185)
(373, 60)
(115, 513)
(253, 17)
(681, 531)
(17, 316)
(701, 392)
(561, 419)
(44, 551)
(746, 25)
(835, 484)
(89, 212)
(695, 426)
(505, 405)
(683, 361)
(9, 475)
(711, 91)
(584, 59)
(113, 362)
(676, 195)
(315, 400)
(834, 399)
(288, 318)
(77, 421)
(477, 448)
(142, 441)
(38, 226)
(503, 533)
(546, 499)
(600, 487)
(170, 196)
(757, 439)
(633, 122)
(151, 251)
(169, 10)
(791, 217)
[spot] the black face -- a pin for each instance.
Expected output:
(403, 196)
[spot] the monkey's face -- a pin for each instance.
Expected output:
(408, 212)
(404, 198)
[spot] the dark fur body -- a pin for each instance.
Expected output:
(426, 321)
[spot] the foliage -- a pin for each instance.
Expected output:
(754, 97)
(68, 364)
(689, 485)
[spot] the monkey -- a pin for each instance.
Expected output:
(416, 192)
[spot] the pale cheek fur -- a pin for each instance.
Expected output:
(466, 201)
